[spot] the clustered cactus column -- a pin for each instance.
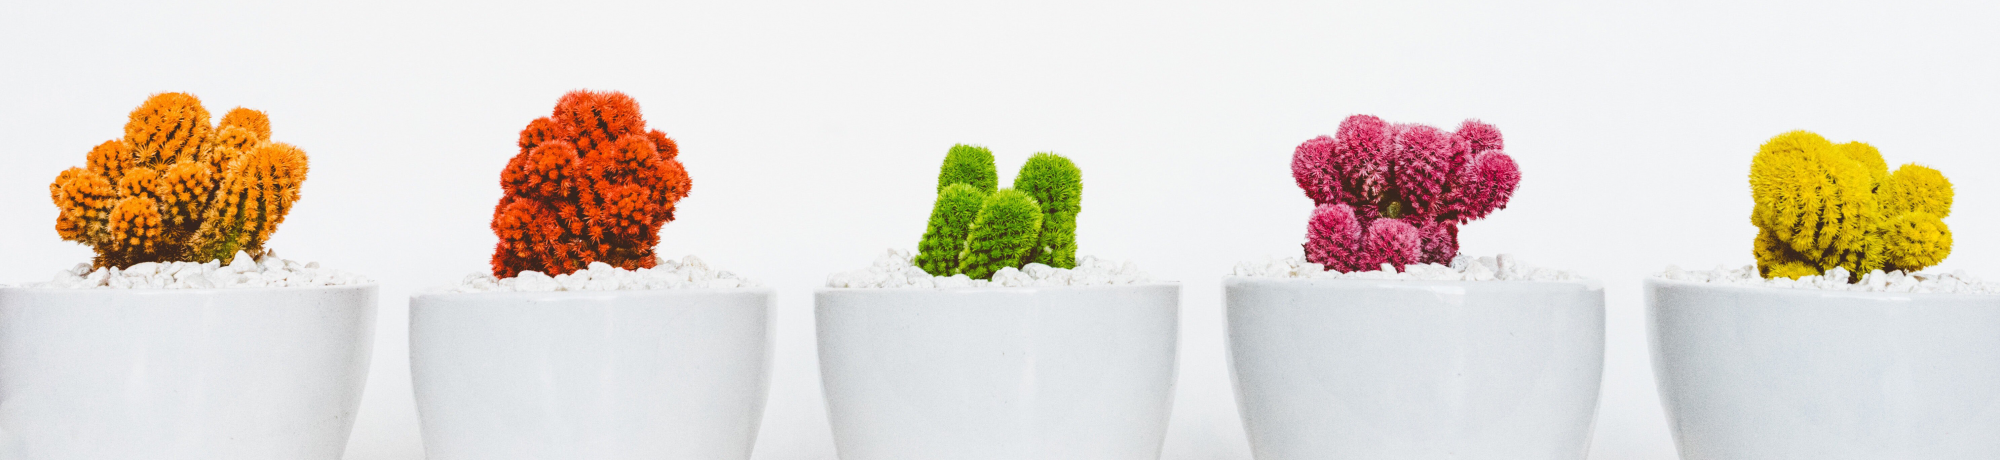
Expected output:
(1396, 193)
(1821, 205)
(977, 229)
(176, 188)
(590, 184)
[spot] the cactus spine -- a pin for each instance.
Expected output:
(976, 229)
(175, 188)
(1821, 205)
(590, 184)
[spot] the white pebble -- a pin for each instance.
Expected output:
(242, 272)
(1462, 268)
(142, 269)
(689, 272)
(1837, 279)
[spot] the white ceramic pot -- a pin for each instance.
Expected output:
(1369, 370)
(601, 375)
(999, 373)
(196, 374)
(1771, 374)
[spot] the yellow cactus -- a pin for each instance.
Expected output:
(1916, 239)
(1820, 205)
(175, 188)
(1916, 188)
(1869, 157)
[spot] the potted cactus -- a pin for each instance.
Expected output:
(995, 340)
(1384, 341)
(619, 355)
(185, 337)
(1837, 343)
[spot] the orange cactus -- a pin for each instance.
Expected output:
(85, 199)
(590, 184)
(168, 128)
(253, 198)
(175, 188)
(135, 226)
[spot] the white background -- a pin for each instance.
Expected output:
(813, 131)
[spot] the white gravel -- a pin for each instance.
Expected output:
(1504, 267)
(241, 272)
(688, 273)
(895, 269)
(1955, 282)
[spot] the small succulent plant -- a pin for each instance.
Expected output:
(1396, 193)
(590, 184)
(976, 228)
(177, 189)
(1821, 205)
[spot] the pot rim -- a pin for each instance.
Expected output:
(1654, 280)
(165, 291)
(670, 292)
(823, 289)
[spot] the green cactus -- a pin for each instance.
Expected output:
(1057, 184)
(1008, 225)
(970, 165)
(977, 229)
(951, 221)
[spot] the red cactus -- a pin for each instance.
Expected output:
(590, 184)
(1423, 179)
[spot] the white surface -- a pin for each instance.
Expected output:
(1366, 370)
(675, 374)
(895, 269)
(1055, 373)
(1779, 374)
(813, 133)
(194, 374)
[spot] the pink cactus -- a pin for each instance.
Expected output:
(1361, 158)
(1334, 236)
(1422, 167)
(1308, 167)
(1393, 242)
(1407, 187)
(1440, 240)
(1489, 180)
